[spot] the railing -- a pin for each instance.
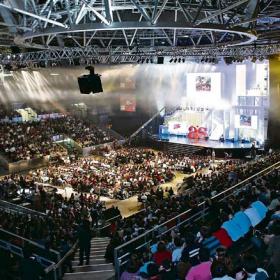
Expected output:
(17, 208)
(145, 124)
(18, 251)
(189, 217)
(35, 247)
(55, 268)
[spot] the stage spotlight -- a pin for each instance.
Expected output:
(90, 83)
(143, 60)
(147, 60)
(179, 60)
(183, 60)
(171, 60)
(175, 60)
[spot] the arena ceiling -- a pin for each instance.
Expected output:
(83, 28)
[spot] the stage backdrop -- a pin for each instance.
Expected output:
(133, 93)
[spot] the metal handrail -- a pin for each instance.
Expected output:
(56, 267)
(184, 214)
(27, 240)
(20, 208)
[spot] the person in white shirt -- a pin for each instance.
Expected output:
(251, 268)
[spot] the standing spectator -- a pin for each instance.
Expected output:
(84, 237)
(213, 155)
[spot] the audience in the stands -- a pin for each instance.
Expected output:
(35, 139)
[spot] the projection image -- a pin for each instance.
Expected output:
(228, 102)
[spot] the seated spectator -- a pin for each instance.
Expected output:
(130, 273)
(273, 249)
(177, 252)
(162, 254)
(251, 268)
(201, 271)
(219, 271)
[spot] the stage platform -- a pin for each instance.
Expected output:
(211, 144)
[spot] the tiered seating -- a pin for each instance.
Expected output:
(34, 139)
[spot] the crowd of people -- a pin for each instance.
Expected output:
(117, 174)
(127, 171)
(60, 221)
(161, 206)
(35, 139)
(200, 251)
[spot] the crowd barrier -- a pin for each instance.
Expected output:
(187, 218)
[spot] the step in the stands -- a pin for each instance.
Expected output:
(107, 274)
(93, 267)
(96, 260)
(98, 245)
(96, 248)
(99, 242)
(92, 256)
(95, 254)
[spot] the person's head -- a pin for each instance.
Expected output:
(250, 264)
(204, 231)
(220, 253)
(131, 268)
(177, 242)
(161, 246)
(218, 269)
(204, 254)
(276, 228)
(244, 204)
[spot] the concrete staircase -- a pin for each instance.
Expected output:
(98, 268)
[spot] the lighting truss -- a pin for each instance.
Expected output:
(104, 23)
(122, 54)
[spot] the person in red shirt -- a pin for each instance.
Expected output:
(162, 254)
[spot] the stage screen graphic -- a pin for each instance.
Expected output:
(245, 121)
(127, 103)
(203, 88)
(203, 83)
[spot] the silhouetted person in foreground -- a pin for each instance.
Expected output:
(84, 237)
(29, 268)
